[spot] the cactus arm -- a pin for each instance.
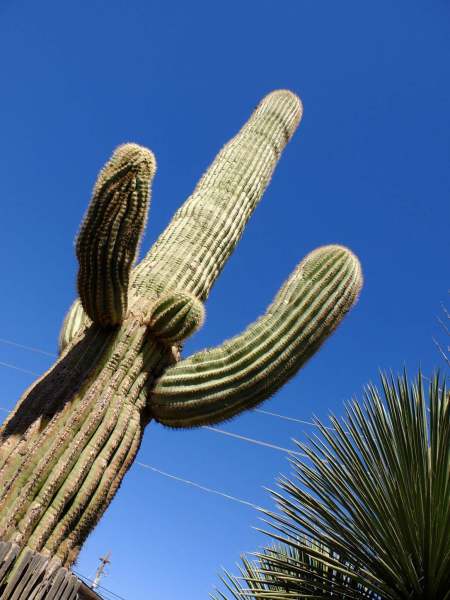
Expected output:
(190, 254)
(216, 384)
(174, 317)
(109, 236)
(75, 321)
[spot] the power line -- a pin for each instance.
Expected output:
(7, 365)
(199, 486)
(87, 579)
(252, 440)
(30, 348)
(272, 414)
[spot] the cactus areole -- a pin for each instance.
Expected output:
(76, 431)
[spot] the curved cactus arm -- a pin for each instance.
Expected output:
(75, 321)
(176, 316)
(216, 384)
(191, 252)
(109, 236)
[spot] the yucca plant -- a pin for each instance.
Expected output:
(292, 571)
(367, 514)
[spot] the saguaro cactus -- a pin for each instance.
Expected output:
(76, 431)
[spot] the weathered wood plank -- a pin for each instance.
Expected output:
(31, 577)
(14, 581)
(35, 577)
(8, 557)
(56, 585)
(4, 547)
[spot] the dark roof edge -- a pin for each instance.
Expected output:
(86, 593)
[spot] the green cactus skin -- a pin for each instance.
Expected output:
(75, 322)
(176, 316)
(216, 384)
(67, 446)
(109, 236)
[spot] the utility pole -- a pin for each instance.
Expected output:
(104, 560)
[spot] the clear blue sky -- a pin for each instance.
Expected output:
(368, 168)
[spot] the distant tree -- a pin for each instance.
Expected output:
(368, 516)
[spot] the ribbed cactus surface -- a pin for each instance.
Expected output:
(67, 446)
(110, 233)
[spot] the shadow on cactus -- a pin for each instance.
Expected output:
(74, 434)
(368, 516)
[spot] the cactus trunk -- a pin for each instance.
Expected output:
(64, 456)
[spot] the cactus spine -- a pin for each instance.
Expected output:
(76, 431)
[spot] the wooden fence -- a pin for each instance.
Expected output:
(33, 576)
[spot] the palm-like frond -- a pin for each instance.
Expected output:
(369, 515)
(299, 569)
